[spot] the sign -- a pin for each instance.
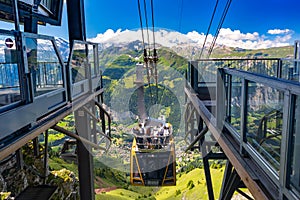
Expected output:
(9, 42)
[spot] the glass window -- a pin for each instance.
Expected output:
(234, 114)
(44, 66)
(9, 74)
(295, 172)
(92, 60)
(207, 71)
(290, 70)
(264, 121)
(78, 62)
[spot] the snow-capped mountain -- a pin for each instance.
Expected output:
(186, 45)
(163, 37)
(63, 46)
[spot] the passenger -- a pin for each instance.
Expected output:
(169, 127)
(148, 135)
(155, 136)
(161, 134)
(141, 133)
(166, 135)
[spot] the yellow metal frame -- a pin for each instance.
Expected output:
(134, 159)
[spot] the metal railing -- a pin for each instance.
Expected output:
(265, 124)
(255, 103)
(287, 69)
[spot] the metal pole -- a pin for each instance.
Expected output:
(85, 158)
(46, 156)
(16, 14)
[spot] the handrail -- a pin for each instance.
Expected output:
(108, 116)
(280, 84)
(77, 137)
(238, 59)
(199, 137)
(275, 67)
(98, 131)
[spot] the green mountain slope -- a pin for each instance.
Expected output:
(190, 186)
(120, 61)
(275, 52)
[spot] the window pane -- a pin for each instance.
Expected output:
(78, 62)
(290, 70)
(295, 172)
(264, 121)
(92, 60)
(44, 66)
(9, 74)
(235, 103)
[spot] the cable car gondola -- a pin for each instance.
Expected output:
(152, 159)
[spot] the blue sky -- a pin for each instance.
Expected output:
(244, 17)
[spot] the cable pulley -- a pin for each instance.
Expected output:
(150, 56)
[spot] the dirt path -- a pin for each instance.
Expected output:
(100, 190)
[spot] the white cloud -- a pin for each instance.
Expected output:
(235, 38)
(102, 37)
(237, 35)
(278, 31)
(228, 37)
(163, 37)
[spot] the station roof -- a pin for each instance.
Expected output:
(45, 11)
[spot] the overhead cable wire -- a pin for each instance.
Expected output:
(141, 23)
(143, 38)
(147, 27)
(155, 58)
(208, 29)
(147, 61)
(219, 27)
(152, 11)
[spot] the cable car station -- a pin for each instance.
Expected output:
(224, 117)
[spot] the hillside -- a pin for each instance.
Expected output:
(118, 63)
(190, 186)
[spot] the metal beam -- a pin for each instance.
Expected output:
(199, 137)
(85, 158)
(193, 65)
(233, 155)
(77, 137)
(76, 20)
(207, 173)
(46, 171)
(46, 123)
(16, 15)
(228, 170)
(231, 185)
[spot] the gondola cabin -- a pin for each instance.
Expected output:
(152, 160)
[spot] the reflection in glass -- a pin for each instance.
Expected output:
(79, 62)
(290, 70)
(234, 117)
(92, 60)
(44, 66)
(295, 165)
(9, 74)
(264, 121)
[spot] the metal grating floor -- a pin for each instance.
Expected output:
(41, 192)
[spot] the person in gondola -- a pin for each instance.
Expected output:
(140, 135)
(167, 133)
(161, 134)
(155, 137)
(149, 139)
